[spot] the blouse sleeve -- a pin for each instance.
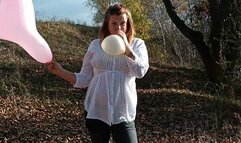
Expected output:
(139, 66)
(85, 75)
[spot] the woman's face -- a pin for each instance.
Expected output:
(117, 23)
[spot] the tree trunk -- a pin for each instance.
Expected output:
(211, 55)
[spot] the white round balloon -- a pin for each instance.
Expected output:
(113, 45)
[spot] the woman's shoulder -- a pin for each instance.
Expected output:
(94, 44)
(137, 41)
(95, 41)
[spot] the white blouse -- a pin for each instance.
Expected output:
(111, 95)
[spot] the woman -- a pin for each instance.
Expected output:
(111, 98)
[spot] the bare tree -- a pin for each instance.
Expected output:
(222, 50)
(176, 48)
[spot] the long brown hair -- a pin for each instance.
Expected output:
(117, 9)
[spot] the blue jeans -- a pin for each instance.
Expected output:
(121, 133)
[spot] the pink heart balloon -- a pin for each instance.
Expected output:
(17, 24)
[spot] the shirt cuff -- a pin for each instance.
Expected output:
(76, 81)
(131, 62)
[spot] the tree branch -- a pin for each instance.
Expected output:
(197, 39)
(192, 35)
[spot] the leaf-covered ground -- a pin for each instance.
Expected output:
(170, 109)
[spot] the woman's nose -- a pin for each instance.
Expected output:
(118, 27)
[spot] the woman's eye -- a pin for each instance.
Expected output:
(123, 23)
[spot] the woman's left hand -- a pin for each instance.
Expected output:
(123, 36)
(128, 51)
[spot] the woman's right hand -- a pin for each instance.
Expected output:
(58, 70)
(54, 67)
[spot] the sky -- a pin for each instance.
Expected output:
(73, 10)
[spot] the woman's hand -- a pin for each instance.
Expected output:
(54, 67)
(58, 70)
(128, 51)
(123, 36)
